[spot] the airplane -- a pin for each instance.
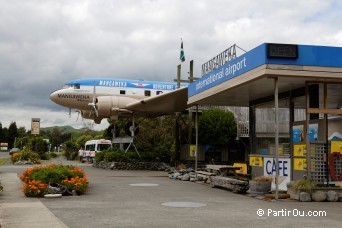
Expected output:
(100, 98)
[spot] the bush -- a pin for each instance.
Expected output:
(52, 173)
(45, 156)
(263, 178)
(71, 150)
(110, 156)
(35, 188)
(303, 185)
(100, 156)
(25, 155)
(38, 145)
(115, 155)
(154, 156)
(53, 155)
(36, 179)
(79, 184)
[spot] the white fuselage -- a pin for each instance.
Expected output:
(111, 95)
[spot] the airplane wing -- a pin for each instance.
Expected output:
(168, 103)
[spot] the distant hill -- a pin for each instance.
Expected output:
(64, 129)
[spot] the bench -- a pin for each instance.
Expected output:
(223, 170)
(205, 175)
(244, 176)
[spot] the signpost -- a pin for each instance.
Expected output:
(284, 171)
(35, 126)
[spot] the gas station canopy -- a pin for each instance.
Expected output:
(248, 79)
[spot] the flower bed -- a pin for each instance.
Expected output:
(36, 179)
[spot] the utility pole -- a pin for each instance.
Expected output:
(177, 129)
(190, 79)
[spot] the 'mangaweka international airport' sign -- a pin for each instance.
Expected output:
(219, 60)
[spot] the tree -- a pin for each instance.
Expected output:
(39, 145)
(71, 150)
(12, 134)
(22, 142)
(21, 132)
(216, 127)
(56, 137)
(80, 141)
(2, 134)
(156, 136)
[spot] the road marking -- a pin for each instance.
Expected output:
(144, 185)
(184, 204)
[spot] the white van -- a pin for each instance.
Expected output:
(94, 146)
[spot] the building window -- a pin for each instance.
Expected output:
(123, 92)
(147, 93)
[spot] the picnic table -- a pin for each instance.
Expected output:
(223, 170)
(223, 180)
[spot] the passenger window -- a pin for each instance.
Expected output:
(77, 86)
(159, 92)
(147, 93)
(122, 91)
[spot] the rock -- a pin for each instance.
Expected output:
(332, 196)
(160, 166)
(289, 184)
(319, 196)
(111, 165)
(182, 171)
(340, 197)
(189, 170)
(304, 197)
(192, 175)
(199, 178)
(294, 194)
(186, 177)
(174, 176)
(179, 177)
(192, 179)
(55, 188)
(172, 170)
(23, 163)
(102, 165)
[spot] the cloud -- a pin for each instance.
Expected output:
(44, 43)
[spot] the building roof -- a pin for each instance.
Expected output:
(250, 77)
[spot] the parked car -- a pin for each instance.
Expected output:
(14, 150)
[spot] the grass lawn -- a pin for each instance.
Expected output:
(4, 160)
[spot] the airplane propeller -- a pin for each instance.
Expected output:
(93, 104)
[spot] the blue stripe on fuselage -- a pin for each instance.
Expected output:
(108, 82)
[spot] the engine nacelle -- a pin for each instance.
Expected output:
(109, 106)
(87, 114)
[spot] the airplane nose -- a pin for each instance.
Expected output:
(54, 96)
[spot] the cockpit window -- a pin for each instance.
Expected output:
(75, 86)
(67, 86)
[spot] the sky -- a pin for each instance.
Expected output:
(45, 43)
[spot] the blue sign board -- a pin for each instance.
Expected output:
(307, 56)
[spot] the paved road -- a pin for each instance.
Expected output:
(4, 154)
(112, 201)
